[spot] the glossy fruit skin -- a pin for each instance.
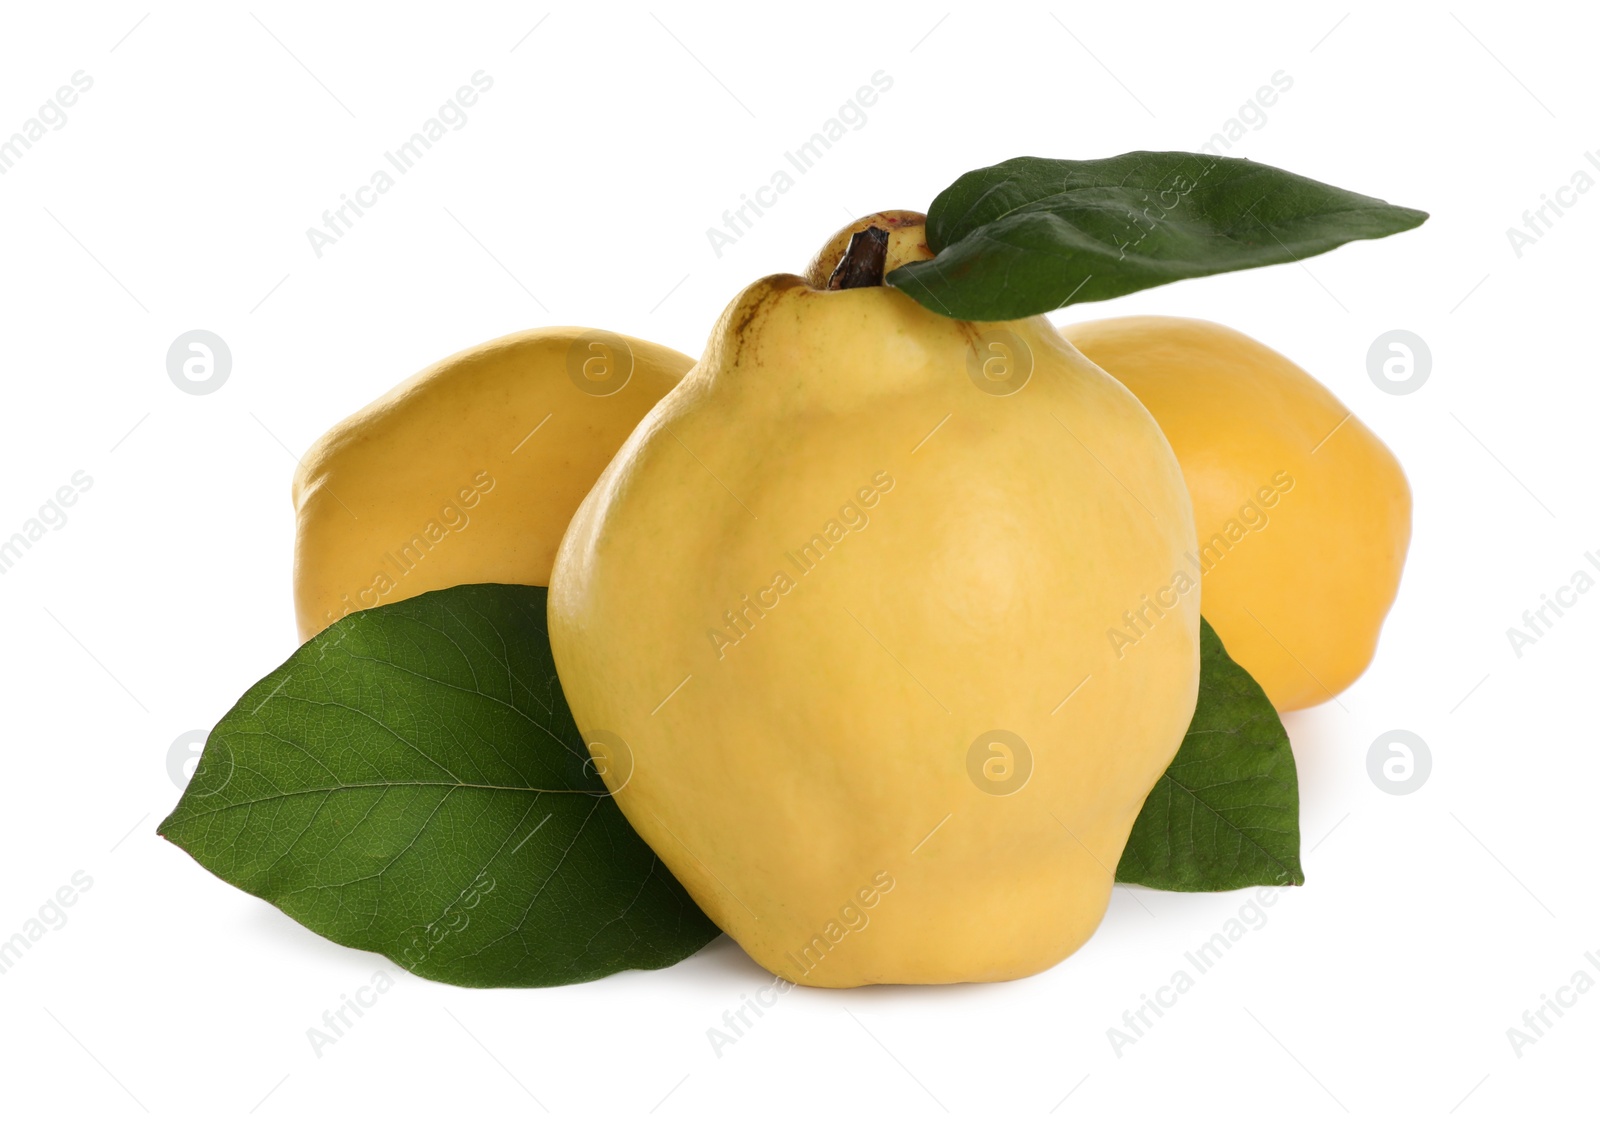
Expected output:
(468, 471)
(1297, 577)
(795, 729)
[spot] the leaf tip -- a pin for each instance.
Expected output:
(1412, 217)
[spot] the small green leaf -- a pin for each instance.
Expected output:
(411, 782)
(1226, 814)
(1030, 235)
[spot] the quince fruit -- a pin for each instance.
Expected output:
(834, 623)
(469, 471)
(1303, 514)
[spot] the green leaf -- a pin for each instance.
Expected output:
(411, 782)
(1030, 235)
(1226, 814)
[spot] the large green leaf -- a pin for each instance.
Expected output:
(1226, 814)
(1030, 235)
(411, 782)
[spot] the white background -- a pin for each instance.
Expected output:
(177, 196)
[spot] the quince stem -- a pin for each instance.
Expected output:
(862, 263)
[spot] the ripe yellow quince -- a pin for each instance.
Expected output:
(469, 471)
(1303, 514)
(834, 623)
